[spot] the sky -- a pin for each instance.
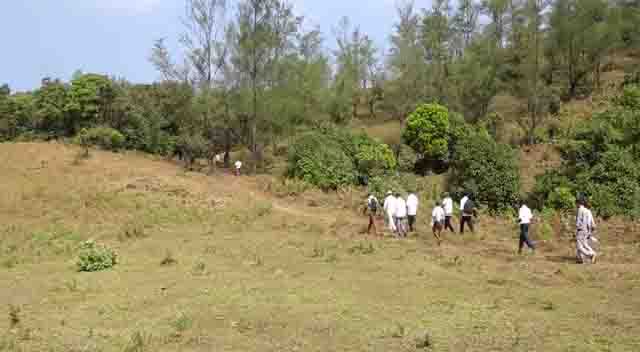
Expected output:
(55, 38)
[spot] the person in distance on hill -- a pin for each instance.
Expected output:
(390, 211)
(372, 210)
(524, 219)
(468, 213)
(584, 230)
(238, 166)
(438, 219)
(412, 210)
(447, 204)
(401, 215)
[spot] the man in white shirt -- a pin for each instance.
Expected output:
(238, 165)
(401, 215)
(585, 226)
(412, 210)
(390, 210)
(524, 218)
(447, 204)
(438, 218)
(463, 201)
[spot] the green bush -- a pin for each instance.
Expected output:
(331, 157)
(486, 169)
(562, 198)
(320, 161)
(372, 157)
(95, 257)
(192, 147)
(427, 131)
(407, 159)
(104, 137)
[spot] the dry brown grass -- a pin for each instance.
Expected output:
(254, 272)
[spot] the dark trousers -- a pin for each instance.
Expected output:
(447, 224)
(524, 238)
(372, 224)
(466, 220)
(412, 223)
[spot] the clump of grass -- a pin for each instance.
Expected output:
(423, 340)
(263, 208)
(317, 252)
(72, 285)
(14, 315)
(132, 231)
(181, 323)
(168, 259)
(363, 249)
(94, 257)
(136, 343)
(199, 268)
(398, 331)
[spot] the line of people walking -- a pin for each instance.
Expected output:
(400, 217)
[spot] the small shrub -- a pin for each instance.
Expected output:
(363, 249)
(94, 257)
(104, 137)
(181, 323)
(199, 268)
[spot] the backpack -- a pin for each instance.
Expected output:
(469, 207)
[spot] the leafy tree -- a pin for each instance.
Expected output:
(263, 33)
(50, 108)
(16, 115)
(89, 101)
(427, 131)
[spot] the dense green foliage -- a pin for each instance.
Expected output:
(427, 131)
(601, 161)
(331, 157)
(487, 170)
(104, 137)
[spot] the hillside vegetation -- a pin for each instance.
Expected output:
(223, 263)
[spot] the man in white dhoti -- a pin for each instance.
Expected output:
(585, 225)
(390, 210)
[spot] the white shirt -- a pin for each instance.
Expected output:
(401, 208)
(463, 201)
(238, 164)
(412, 204)
(584, 220)
(390, 205)
(372, 199)
(438, 214)
(525, 215)
(448, 206)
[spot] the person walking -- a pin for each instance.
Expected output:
(447, 205)
(437, 219)
(412, 210)
(468, 213)
(390, 211)
(584, 230)
(463, 201)
(401, 215)
(238, 166)
(524, 219)
(371, 209)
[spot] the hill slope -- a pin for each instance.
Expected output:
(257, 273)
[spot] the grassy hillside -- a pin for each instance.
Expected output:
(254, 272)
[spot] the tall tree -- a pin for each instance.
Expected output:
(264, 31)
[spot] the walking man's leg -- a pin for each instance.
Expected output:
(462, 221)
(412, 221)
